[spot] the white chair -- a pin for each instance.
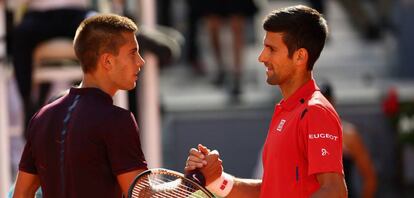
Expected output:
(55, 61)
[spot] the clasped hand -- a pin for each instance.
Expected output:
(208, 162)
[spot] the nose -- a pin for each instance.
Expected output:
(141, 61)
(262, 57)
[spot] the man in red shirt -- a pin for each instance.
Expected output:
(302, 155)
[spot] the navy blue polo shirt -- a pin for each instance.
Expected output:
(78, 144)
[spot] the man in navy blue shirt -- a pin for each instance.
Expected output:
(81, 145)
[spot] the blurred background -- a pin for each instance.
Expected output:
(202, 82)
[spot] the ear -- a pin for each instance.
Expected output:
(106, 61)
(301, 57)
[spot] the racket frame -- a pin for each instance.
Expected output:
(167, 172)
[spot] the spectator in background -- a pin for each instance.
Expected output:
(215, 12)
(43, 20)
(355, 154)
(194, 14)
(164, 14)
(368, 16)
(9, 26)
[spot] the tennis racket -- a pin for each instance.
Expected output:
(164, 183)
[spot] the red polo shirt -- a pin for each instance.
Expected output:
(304, 139)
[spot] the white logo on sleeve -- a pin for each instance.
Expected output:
(324, 152)
(280, 126)
(323, 136)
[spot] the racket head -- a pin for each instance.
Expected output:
(166, 183)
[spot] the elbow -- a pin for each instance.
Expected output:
(340, 190)
(369, 188)
(339, 193)
(372, 185)
(343, 191)
(333, 191)
(344, 194)
(372, 181)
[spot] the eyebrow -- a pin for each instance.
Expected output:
(133, 49)
(270, 46)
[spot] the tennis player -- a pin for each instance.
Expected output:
(302, 155)
(81, 145)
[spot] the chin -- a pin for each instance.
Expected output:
(128, 87)
(133, 85)
(271, 82)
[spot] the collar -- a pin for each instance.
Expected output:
(96, 92)
(299, 96)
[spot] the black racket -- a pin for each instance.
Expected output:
(164, 183)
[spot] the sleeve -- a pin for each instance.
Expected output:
(27, 161)
(323, 141)
(123, 145)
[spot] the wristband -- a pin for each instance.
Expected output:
(222, 185)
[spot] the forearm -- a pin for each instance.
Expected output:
(248, 188)
(369, 184)
(332, 185)
(369, 188)
(19, 194)
(26, 185)
(329, 193)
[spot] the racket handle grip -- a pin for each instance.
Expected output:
(196, 176)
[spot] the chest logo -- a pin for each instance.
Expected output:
(280, 126)
(324, 152)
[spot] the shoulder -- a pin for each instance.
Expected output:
(119, 125)
(50, 108)
(119, 120)
(318, 104)
(320, 114)
(105, 112)
(317, 100)
(121, 115)
(46, 115)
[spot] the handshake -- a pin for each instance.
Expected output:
(206, 167)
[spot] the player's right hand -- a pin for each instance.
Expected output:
(208, 162)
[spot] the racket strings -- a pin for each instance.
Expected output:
(145, 187)
(185, 188)
(170, 193)
(180, 190)
(162, 194)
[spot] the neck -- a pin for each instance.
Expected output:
(291, 86)
(93, 81)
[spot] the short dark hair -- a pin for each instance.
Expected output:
(302, 27)
(100, 34)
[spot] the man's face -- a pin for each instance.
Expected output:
(275, 56)
(127, 64)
